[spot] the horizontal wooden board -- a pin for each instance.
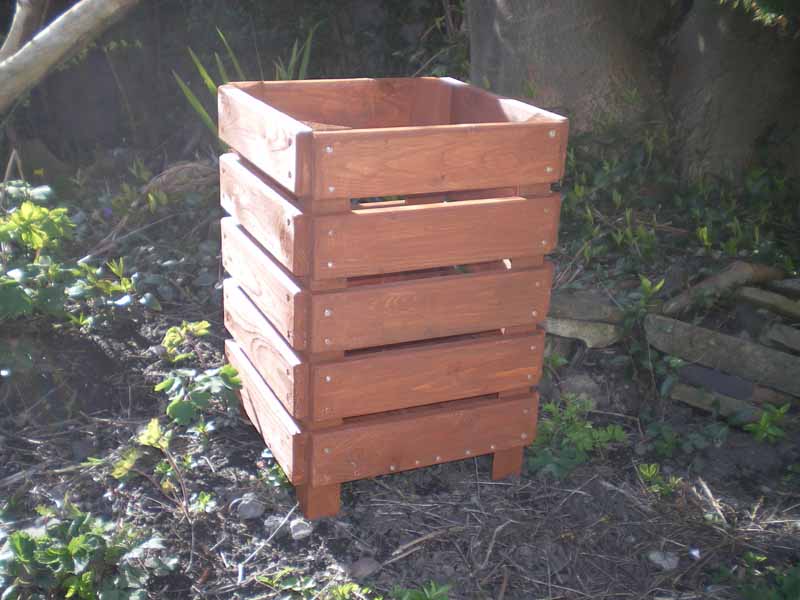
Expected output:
(279, 431)
(274, 292)
(387, 443)
(383, 314)
(266, 214)
(402, 238)
(425, 374)
(271, 140)
(282, 369)
(408, 160)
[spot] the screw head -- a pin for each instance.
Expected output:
(534, 313)
(288, 372)
(552, 133)
(328, 378)
(438, 458)
(524, 436)
(544, 242)
(529, 378)
(417, 462)
(329, 149)
(392, 468)
(331, 188)
(330, 232)
(492, 447)
(525, 411)
(330, 264)
(533, 348)
(546, 211)
(327, 312)
(288, 222)
(547, 169)
(468, 452)
(326, 450)
(328, 341)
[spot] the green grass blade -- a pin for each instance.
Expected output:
(212, 87)
(223, 74)
(196, 105)
(302, 72)
(291, 69)
(236, 66)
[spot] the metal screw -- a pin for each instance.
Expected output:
(544, 242)
(524, 436)
(327, 312)
(533, 348)
(467, 452)
(438, 458)
(417, 462)
(552, 133)
(328, 378)
(329, 149)
(392, 468)
(524, 411)
(492, 447)
(330, 264)
(330, 232)
(538, 284)
(328, 341)
(546, 169)
(546, 211)
(534, 313)
(331, 188)
(327, 450)
(530, 376)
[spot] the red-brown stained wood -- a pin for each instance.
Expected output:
(271, 140)
(377, 315)
(402, 238)
(280, 432)
(425, 374)
(281, 368)
(265, 213)
(408, 160)
(387, 443)
(275, 293)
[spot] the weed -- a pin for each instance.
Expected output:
(190, 392)
(78, 556)
(767, 428)
(567, 439)
(288, 581)
(178, 336)
(655, 482)
(431, 591)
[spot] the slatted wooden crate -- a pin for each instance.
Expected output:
(385, 247)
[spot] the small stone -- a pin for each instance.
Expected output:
(271, 525)
(594, 334)
(300, 529)
(582, 384)
(666, 561)
(363, 567)
(249, 507)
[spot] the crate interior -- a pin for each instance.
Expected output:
(329, 105)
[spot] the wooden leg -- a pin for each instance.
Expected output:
(507, 462)
(319, 502)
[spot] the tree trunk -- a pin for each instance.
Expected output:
(28, 19)
(66, 35)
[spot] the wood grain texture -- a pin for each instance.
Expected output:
(319, 502)
(402, 238)
(271, 140)
(425, 374)
(279, 431)
(408, 160)
(507, 463)
(266, 214)
(377, 315)
(387, 443)
(282, 369)
(274, 292)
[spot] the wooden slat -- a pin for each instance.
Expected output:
(265, 213)
(275, 293)
(425, 374)
(271, 140)
(377, 315)
(408, 160)
(386, 240)
(282, 369)
(387, 443)
(279, 431)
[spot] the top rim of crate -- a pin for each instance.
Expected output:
(356, 138)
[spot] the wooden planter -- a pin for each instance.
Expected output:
(385, 245)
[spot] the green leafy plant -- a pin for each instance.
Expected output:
(567, 439)
(178, 336)
(297, 65)
(79, 556)
(288, 580)
(430, 591)
(190, 392)
(350, 591)
(767, 428)
(654, 481)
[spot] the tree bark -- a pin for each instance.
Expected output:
(72, 31)
(28, 19)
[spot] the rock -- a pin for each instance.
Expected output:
(781, 335)
(739, 411)
(271, 525)
(585, 305)
(666, 561)
(787, 287)
(300, 529)
(582, 384)
(593, 333)
(249, 507)
(363, 567)
(771, 301)
(559, 346)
